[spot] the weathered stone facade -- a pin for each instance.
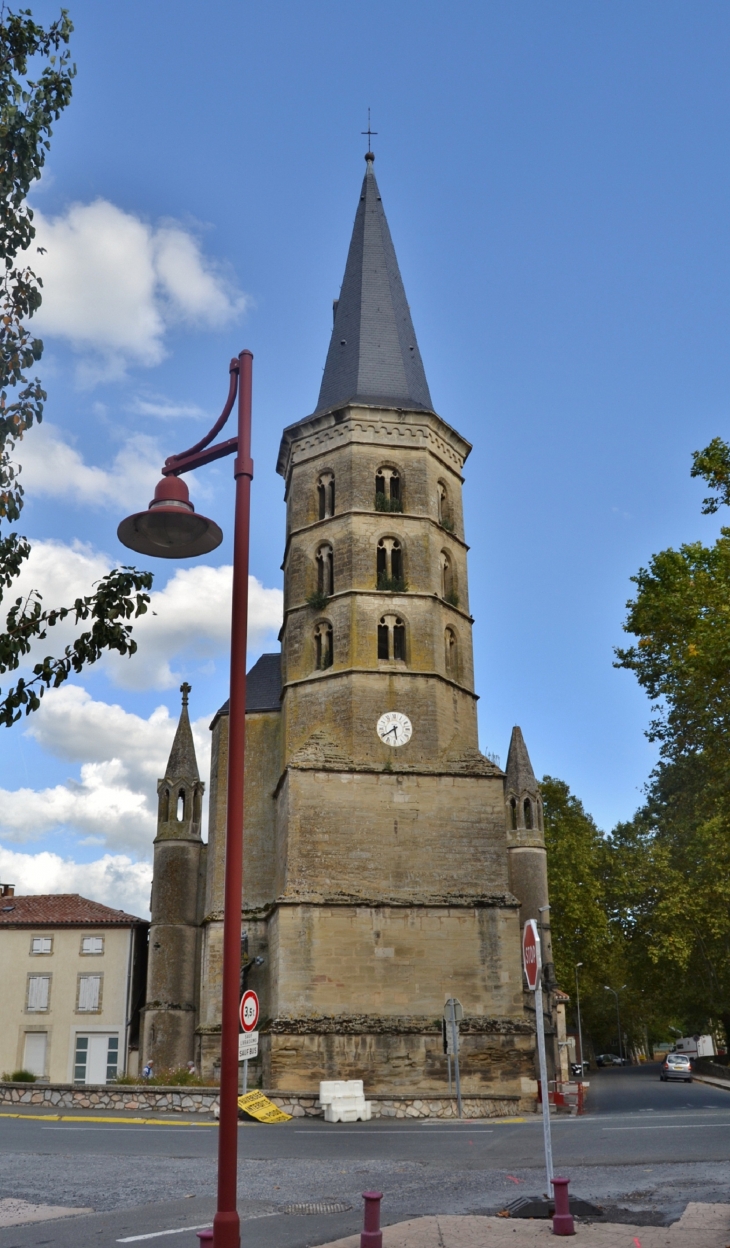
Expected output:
(378, 881)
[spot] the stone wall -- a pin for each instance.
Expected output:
(144, 1099)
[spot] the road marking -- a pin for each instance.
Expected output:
(131, 1239)
(106, 1128)
(671, 1126)
(179, 1230)
(389, 1131)
(148, 1122)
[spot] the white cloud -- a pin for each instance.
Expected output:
(165, 409)
(189, 618)
(122, 756)
(113, 285)
(54, 468)
(115, 880)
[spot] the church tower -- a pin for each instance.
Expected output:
(169, 1016)
(376, 873)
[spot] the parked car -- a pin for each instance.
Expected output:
(676, 1066)
(608, 1059)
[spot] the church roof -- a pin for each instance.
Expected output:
(263, 686)
(519, 776)
(373, 355)
(61, 910)
(182, 760)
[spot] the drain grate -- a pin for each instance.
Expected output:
(316, 1206)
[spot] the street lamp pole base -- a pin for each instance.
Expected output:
(227, 1230)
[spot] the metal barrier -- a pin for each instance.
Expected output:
(569, 1096)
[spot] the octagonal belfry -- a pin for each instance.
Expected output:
(378, 878)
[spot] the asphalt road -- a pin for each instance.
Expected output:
(643, 1146)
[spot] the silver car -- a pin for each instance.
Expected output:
(676, 1066)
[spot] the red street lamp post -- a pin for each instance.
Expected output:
(171, 529)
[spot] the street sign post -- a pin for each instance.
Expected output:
(454, 1013)
(249, 1015)
(532, 962)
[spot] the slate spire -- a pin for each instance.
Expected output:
(519, 776)
(182, 763)
(373, 355)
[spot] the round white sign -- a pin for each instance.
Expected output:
(394, 728)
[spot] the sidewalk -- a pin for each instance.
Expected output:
(701, 1226)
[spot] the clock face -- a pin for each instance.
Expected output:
(394, 728)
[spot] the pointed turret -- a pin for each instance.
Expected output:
(178, 881)
(182, 763)
(526, 844)
(373, 355)
(519, 776)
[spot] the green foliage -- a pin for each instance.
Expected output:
(681, 617)
(20, 1076)
(392, 584)
(318, 600)
(382, 503)
(28, 107)
(714, 465)
(180, 1077)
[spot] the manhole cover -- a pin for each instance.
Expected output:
(316, 1206)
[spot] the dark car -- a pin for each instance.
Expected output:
(608, 1059)
(676, 1066)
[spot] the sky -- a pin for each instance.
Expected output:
(556, 181)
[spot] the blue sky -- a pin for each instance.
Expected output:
(556, 182)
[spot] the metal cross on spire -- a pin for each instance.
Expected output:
(369, 133)
(185, 689)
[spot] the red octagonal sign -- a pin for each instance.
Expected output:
(249, 1011)
(531, 953)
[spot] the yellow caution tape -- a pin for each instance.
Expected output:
(261, 1108)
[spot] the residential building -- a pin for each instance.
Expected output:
(73, 979)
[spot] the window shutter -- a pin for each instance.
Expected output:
(89, 986)
(38, 992)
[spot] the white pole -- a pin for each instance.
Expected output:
(540, 1026)
(245, 1076)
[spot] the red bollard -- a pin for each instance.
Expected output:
(372, 1236)
(205, 1237)
(562, 1218)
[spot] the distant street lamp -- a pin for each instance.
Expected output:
(171, 529)
(618, 1018)
(580, 1033)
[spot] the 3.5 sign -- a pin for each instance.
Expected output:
(249, 1011)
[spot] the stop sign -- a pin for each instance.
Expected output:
(531, 953)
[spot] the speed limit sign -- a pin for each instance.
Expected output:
(249, 1011)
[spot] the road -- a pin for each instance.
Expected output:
(643, 1146)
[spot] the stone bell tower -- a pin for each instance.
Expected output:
(376, 870)
(526, 840)
(169, 1016)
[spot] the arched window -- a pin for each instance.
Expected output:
(450, 653)
(392, 638)
(326, 495)
(389, 566)
(164, 806)
(527, 809)
(325, 570)
(448, 588)
(444, 507)
(323, 646)
(513, 813)
(388, 490)
(181, 805)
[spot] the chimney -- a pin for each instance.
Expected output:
(8, 890)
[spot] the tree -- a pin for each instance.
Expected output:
(675, 911)
(28, 106)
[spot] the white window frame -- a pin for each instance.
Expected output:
(82, 976)
(93, 1029)
(91, 953)
(34, 1009)
(40, 953)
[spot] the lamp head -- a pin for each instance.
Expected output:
(170, 528)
